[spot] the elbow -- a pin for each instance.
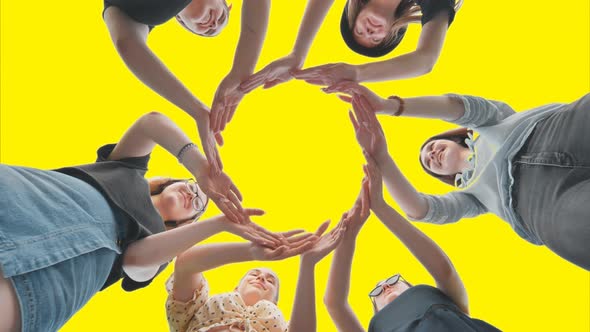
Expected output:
(332, 304)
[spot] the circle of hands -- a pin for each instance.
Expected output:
(339, 78)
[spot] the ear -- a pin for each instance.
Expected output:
(229, 7)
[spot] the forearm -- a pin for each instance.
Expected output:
(409, 65)
(255, 16)
(160, 248)
(430, 255)
(303, 316)
(337, 290)
(209, 256)
(314, 15)
(146, 66)
(401, 190)
(155, 128)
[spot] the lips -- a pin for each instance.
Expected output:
(373, 23)
(258, 284)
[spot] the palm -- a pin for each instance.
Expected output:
(377, 104)
(221, 190)
(328, 74)
(227, 98)
(278, 71)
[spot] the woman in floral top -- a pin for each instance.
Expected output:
(252, 305)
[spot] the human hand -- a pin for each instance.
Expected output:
(375, 186)
(276, 72)
(326, 244)
(377, 104)
(226, 100)
(224, 193)
(328, 74)
(208, 142)
(355, 218)
(294, 245)
(367, 128)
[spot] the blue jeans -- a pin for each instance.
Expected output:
(552, 182)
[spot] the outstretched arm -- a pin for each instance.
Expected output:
(191, 263)
(255, 15)
(337, 290)
(155, 128)
(129, 38)
(303, 316)
(279, 71)
(430, 255)
(417, 63)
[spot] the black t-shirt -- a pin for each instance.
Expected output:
(149, 12)
(123, 184)
(430, 8)
(424, 308)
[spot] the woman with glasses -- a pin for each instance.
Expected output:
(398, 305)
(130, 21)
(545, 151)
(68, 233)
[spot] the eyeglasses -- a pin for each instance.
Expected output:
(197, 201)
(390, 282)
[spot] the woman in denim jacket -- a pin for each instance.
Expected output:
(68, 233)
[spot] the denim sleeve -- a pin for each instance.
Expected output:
(480, 112)
(449, 208)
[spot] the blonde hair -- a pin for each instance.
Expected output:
(406, 12)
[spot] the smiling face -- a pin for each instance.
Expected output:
(444, 157)
(389, 293)
(181, 201)
(257, 285)
(372, 25)
(204, 17)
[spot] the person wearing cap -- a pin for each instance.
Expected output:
(130, 22)
(531, 169)
(372, 28)
(398, 305)
(66, 234)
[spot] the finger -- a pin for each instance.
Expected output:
(322, 228)
(253, 81)
(366, 199)
(272, 83)
(235, 201)
(359, 111)
(299, 238)
(235, 190)
(229, 211)
(278, 252)
(347, 99)
(289, 234)
(355, 124)
(218, 163)
(259, 240)
(213, 115)
(317, 81)
(306, 73)
(232, 111)
(254, 212)
(219, 138)
(298, 250)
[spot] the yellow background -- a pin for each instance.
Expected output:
(291, 150)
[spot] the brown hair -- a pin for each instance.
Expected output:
(456, 135)
(157, 185)
(406, 12)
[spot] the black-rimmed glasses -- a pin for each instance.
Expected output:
(390, 282)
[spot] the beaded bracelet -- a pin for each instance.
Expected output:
(401, 108)
(183, 150)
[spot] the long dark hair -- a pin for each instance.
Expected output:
(456, 135)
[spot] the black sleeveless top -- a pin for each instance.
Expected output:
(424, 308)
(149, 12)
(123, 184)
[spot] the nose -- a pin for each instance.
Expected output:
(369, 30)
(213, 24)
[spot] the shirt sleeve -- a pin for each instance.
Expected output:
(430, 8)
(449, 208)
(130, 285)
(179, 313)
(103, 153)
(480, 112)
